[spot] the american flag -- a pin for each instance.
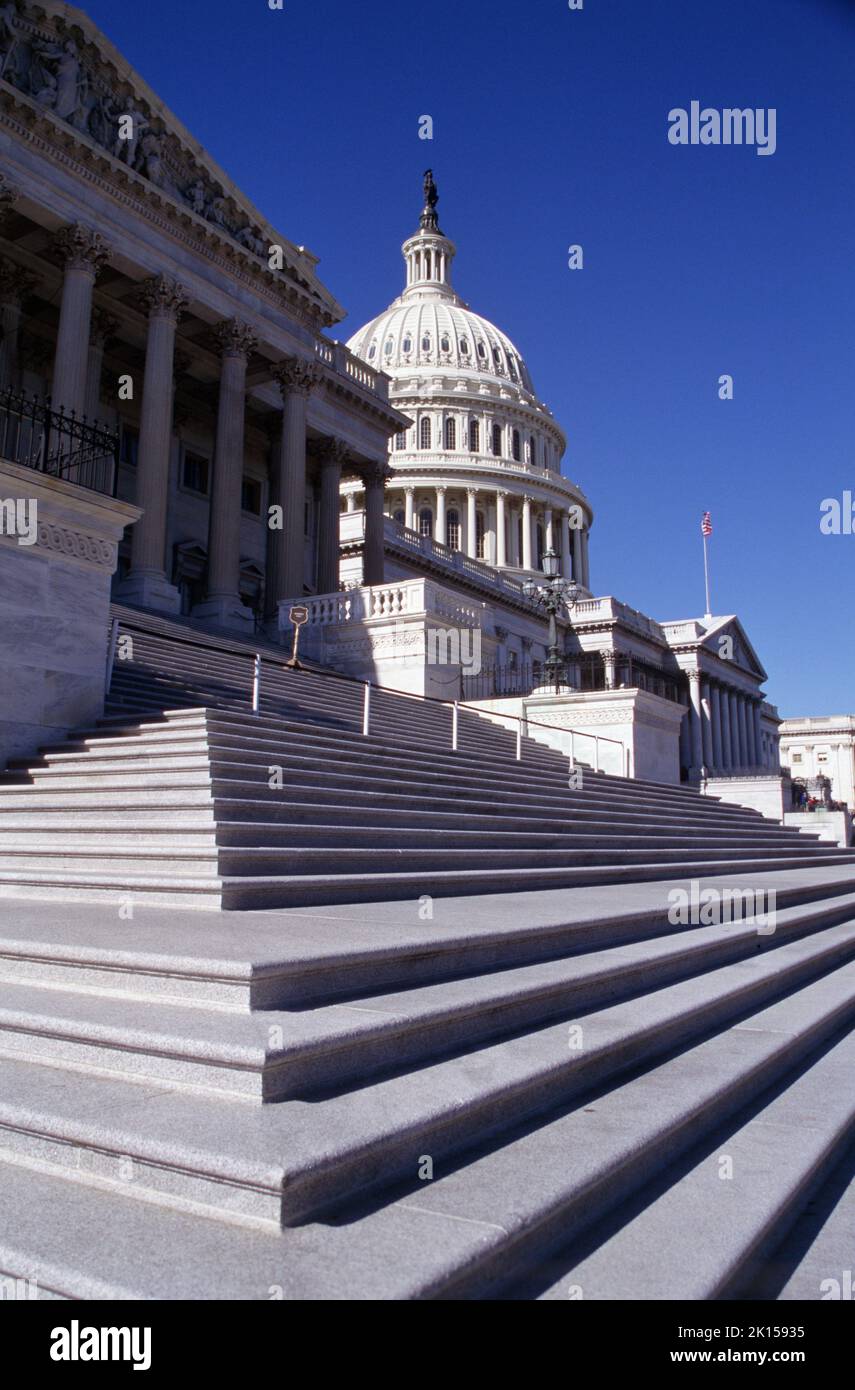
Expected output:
(706, 524)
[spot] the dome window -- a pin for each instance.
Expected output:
(515, 445)
(480, 532)
(497, 440)
(450, 434)
(424, 433)
(425, 522)
(512, 368)
(532, 451)
(453, 523)
(398, 516)
(426, 343)
(497, 357)
(387, 348)
(474, 436)
(482, 351)
(372, 352)
(407, 344)
(445, 345)
(464, 347)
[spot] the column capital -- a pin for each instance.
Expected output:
(331, 452)
(80, 248)
(236, 339)
(472, 492)
(16, 282)
(441, 490)
(374, 474)
(410, 490)
(102, 326)
(297, 375)
(162, 297)
(694, 677)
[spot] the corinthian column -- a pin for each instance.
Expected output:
(83, 253)
(333, 455)
(526, 533)
(146, 584)
(223, 605)
(297, 378)
(373, 560)
(472, 523)
(501, 547)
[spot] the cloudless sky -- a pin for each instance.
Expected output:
(550, 128)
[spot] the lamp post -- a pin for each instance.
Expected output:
(553, 594)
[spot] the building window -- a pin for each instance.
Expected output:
(512, 368)
(372, 352)
(482, 351)
(451, 434)
(425, 522)
(532, 451)
(474, 436)
(479, 535)
(401, 440)
(194, 473)
(497, 357)
(424, 433)
(797, 757)
(407, 344)
(444, 344)
(427, 265)
(464, 347)
(540, 545)
(399, 516)
(497, 440)
(129, 446)
(250, 496)
(515, 445)
(453, 523)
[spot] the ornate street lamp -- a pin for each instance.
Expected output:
(553, 594)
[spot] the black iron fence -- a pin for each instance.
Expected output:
(34, 435)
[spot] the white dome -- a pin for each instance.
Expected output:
(436, 330)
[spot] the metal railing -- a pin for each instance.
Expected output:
(34, 435)
(519, 725)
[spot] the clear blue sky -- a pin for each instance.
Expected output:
(551, 129)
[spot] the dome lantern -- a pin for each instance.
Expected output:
(428, 254)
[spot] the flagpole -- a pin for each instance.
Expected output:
(708, 613)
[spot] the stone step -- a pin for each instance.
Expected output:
(517, 1195)
(297, 958)
(243, 892)
(722, 1211)
(278, 1055)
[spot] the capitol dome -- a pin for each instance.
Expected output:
(479, 469)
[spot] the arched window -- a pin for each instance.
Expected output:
(372, 352)
(444, 343)
(425, 522)
(482, 351)
(474, 436)
(532, 451)
(387, 347)
(451, 434)
(453, 524)
(424, 432)
(512, 368)
(407, 344)
(426, 342)
(464, 347)
(515, 445)
(479, 536)
(497, 440)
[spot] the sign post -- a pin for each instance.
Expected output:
(298, 614)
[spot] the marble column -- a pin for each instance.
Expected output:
(296, 379)
(696, 717)
(146, 585)
(373, 562)
(471, 523)
(409, 507)
(440, 532)
(350, 501)
(548, 530)
(15, 284)
(762, 759)
(83, 253)
(726, 740)
(566, 559)
(223, 605)
(333, 454)
(743, 732)
(753, 750)
(103, 327)
(501, 539)
(526, 533)
(578, 559)
(706, 725)
(736, 751)
(718, 752)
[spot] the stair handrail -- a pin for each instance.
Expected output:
(522, 722)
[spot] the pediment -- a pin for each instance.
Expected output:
(728, 636)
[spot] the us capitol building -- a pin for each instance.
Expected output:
(200, 446)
